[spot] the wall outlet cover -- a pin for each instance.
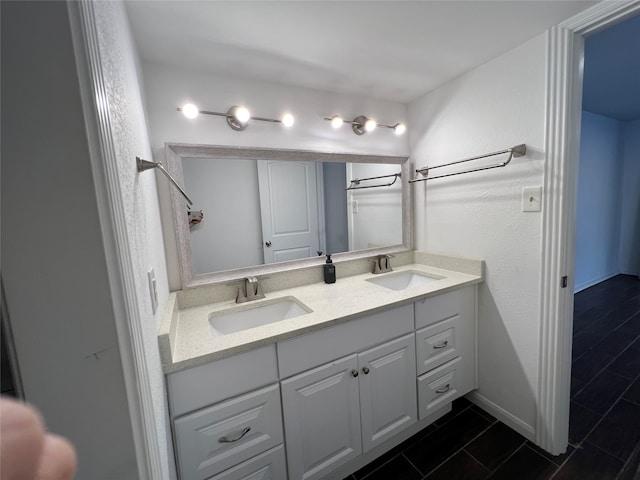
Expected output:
(531, 199)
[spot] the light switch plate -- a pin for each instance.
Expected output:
(531, 199)
(153, 289)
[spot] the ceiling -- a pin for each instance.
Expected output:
(612, 71)
(393, 50)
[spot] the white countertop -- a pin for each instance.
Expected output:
(185, 335)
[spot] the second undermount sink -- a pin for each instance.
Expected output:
(403, 280)
(250, 316)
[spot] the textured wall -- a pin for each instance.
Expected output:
(167, 88)
(630, 205)
(598, 201)
(139, 195)
(478, 215)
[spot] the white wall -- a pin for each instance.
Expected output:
(630, 204)
(377, 220)
(122, 76)
(598, 201)
(230, 235)
(54, 267)
(496, 106)
(167, 88)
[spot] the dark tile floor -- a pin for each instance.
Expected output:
(604, 425)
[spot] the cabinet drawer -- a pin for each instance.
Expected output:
(218, 437)
(438, 387)
(436, 309)
(437, 344)
(207, 384)
(266, 466)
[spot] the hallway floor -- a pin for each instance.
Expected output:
(604, 425)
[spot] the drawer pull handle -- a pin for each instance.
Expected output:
(354, 372)
(235, 439)
(365, 370)
(444, 389)
(441, 345)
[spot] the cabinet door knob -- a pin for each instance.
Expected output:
(236, 438)
(365, 370)
(444, 389)
(441, 345)
(354, 372)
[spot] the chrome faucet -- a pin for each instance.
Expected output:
(382, 264)
(252, 290)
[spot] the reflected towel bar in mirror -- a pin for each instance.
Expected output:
(517, 151)
(357, 181)
(147, 165)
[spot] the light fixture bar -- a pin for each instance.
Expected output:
(234, 120)
(360, 127)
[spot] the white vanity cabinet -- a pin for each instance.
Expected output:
(339, 410)
(445, 348)
(229, 438)
(344, 394)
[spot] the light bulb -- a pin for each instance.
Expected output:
(242, 114)
(190, 110)
(399, 128)
(370, 125)
(336, 121)
(287, 120)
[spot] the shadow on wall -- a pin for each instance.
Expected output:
(505, 393)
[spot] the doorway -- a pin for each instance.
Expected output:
(564, 110)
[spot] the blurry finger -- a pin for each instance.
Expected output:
(58, 459)
(21, 440)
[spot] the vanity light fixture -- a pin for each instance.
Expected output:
(237, 116)
(361, 124)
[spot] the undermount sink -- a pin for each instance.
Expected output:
(250, 316)
(403, 280)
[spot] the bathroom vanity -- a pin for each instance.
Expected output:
(358, 367)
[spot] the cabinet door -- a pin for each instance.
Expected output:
(322, 418)
(388, 402)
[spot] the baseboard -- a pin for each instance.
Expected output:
(634, 273)
(501, 414)
(592, 282)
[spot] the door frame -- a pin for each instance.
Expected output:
(125, 297)
(565, 57)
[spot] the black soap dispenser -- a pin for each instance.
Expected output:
(329, 271)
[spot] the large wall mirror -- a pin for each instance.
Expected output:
(267, 210)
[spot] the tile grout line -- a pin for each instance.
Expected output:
(604, 451)
(482, 464)
(411, 463)
(578, 446)
(457, 451)
(602, 341)
(404, 450)
(605, 367)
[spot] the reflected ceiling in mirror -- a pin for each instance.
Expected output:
(266, 210)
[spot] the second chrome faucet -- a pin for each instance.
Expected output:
(382, 264)
(252, 290)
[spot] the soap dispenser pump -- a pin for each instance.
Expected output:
(329, 271)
